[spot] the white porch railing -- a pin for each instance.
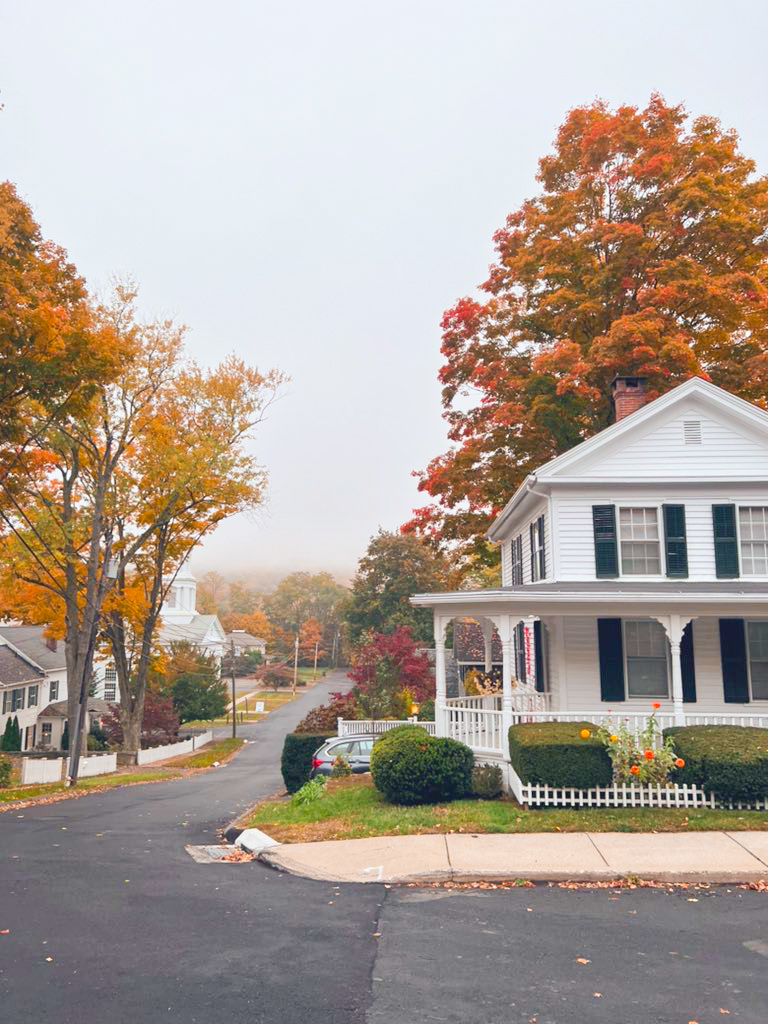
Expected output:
(480, 729)
(375, 726)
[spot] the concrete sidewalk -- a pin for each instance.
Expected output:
(542, 856)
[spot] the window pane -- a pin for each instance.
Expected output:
(757, 642)
(639, 534)
(646, 652)
(753, 532)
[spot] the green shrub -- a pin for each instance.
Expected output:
(5, 772)
(554, 754)
(309, 792)
(487, 781)
(416, 768)
(728, 760)
(296, 762)
(406, 729)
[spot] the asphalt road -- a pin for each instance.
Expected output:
(110, 919)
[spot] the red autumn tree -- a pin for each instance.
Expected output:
(644, 254)
(384, 667)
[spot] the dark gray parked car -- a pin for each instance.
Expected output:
(356, 751)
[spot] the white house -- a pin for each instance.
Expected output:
(634, 571)
(180, 620)
(33, 674)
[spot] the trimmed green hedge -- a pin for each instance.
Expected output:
(413, 767)
(554, 754)
(5, 772)
(406, 729)
(728, 760)
(296, 762)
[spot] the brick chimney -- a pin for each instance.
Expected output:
(629, 394)
(50, 643)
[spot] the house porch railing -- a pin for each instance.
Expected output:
(481, 728)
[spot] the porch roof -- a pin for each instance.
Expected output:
(721, 597)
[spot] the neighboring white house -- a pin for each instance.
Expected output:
(33, 674)
(179, 621)
(634, 571)
(243, 642)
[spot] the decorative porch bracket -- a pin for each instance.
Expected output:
(505, 625)
(674, 625)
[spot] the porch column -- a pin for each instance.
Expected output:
(506, 627)
(488, 644)
(441, 714)
(674, 627)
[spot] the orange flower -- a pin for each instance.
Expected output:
(635, 769)
(679, 762)
(585, 734)
(655, 705)
(614, 739)
(649, 755)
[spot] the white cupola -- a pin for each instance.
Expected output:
(180, 602)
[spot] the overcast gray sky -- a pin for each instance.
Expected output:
(310, 185)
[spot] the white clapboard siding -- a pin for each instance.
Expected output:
(661, 452)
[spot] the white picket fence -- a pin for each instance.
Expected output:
(375, 726)
(668, 796)
(36, 770)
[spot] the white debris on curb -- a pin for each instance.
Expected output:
(255, 841)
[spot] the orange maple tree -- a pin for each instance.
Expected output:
(645, 253)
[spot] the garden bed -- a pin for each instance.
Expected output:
(353, 809)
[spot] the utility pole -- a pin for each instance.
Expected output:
(232, 666)
(295, 663)
(333, 652)
(314, 670)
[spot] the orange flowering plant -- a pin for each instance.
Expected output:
(638, 757)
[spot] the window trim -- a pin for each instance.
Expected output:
(53, 690)
(515, 562)
(35, 687)
(628, 696)
(742, 574)
(752, 698)
(662, 573)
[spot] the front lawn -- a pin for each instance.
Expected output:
(222, 750)
(353, 809)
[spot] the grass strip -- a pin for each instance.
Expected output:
(354, 809)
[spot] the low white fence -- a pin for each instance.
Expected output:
(659, 796)
(375, 726)
(40, 769)
(96, 764)
(169, 750)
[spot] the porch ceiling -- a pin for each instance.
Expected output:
(595, 597)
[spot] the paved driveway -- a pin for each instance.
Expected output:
(138, 933)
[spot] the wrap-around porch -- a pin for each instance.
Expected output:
(692, 654)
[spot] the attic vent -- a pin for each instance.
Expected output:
(692, 431)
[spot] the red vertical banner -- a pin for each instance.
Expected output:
(529, 661)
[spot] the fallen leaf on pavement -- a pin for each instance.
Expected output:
(581, 960)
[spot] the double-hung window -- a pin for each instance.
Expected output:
(645, 646)
(757, 649)
(17, 700)
(639, 538)
(538, 558)
(110, 683)
(54, 689)
(516, 550)
(753, 534)
(33, 695)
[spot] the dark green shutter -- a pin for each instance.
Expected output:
(688, 665)
(733, 657)
(611, 650)
(606, 546)
(543, 552)
(675, 543)
(726, 545)
(538, 640)
(532, 551)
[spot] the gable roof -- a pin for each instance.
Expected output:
(14, 669)
(244, 639)
(195, 631)
(702, 391)
(31, 642)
